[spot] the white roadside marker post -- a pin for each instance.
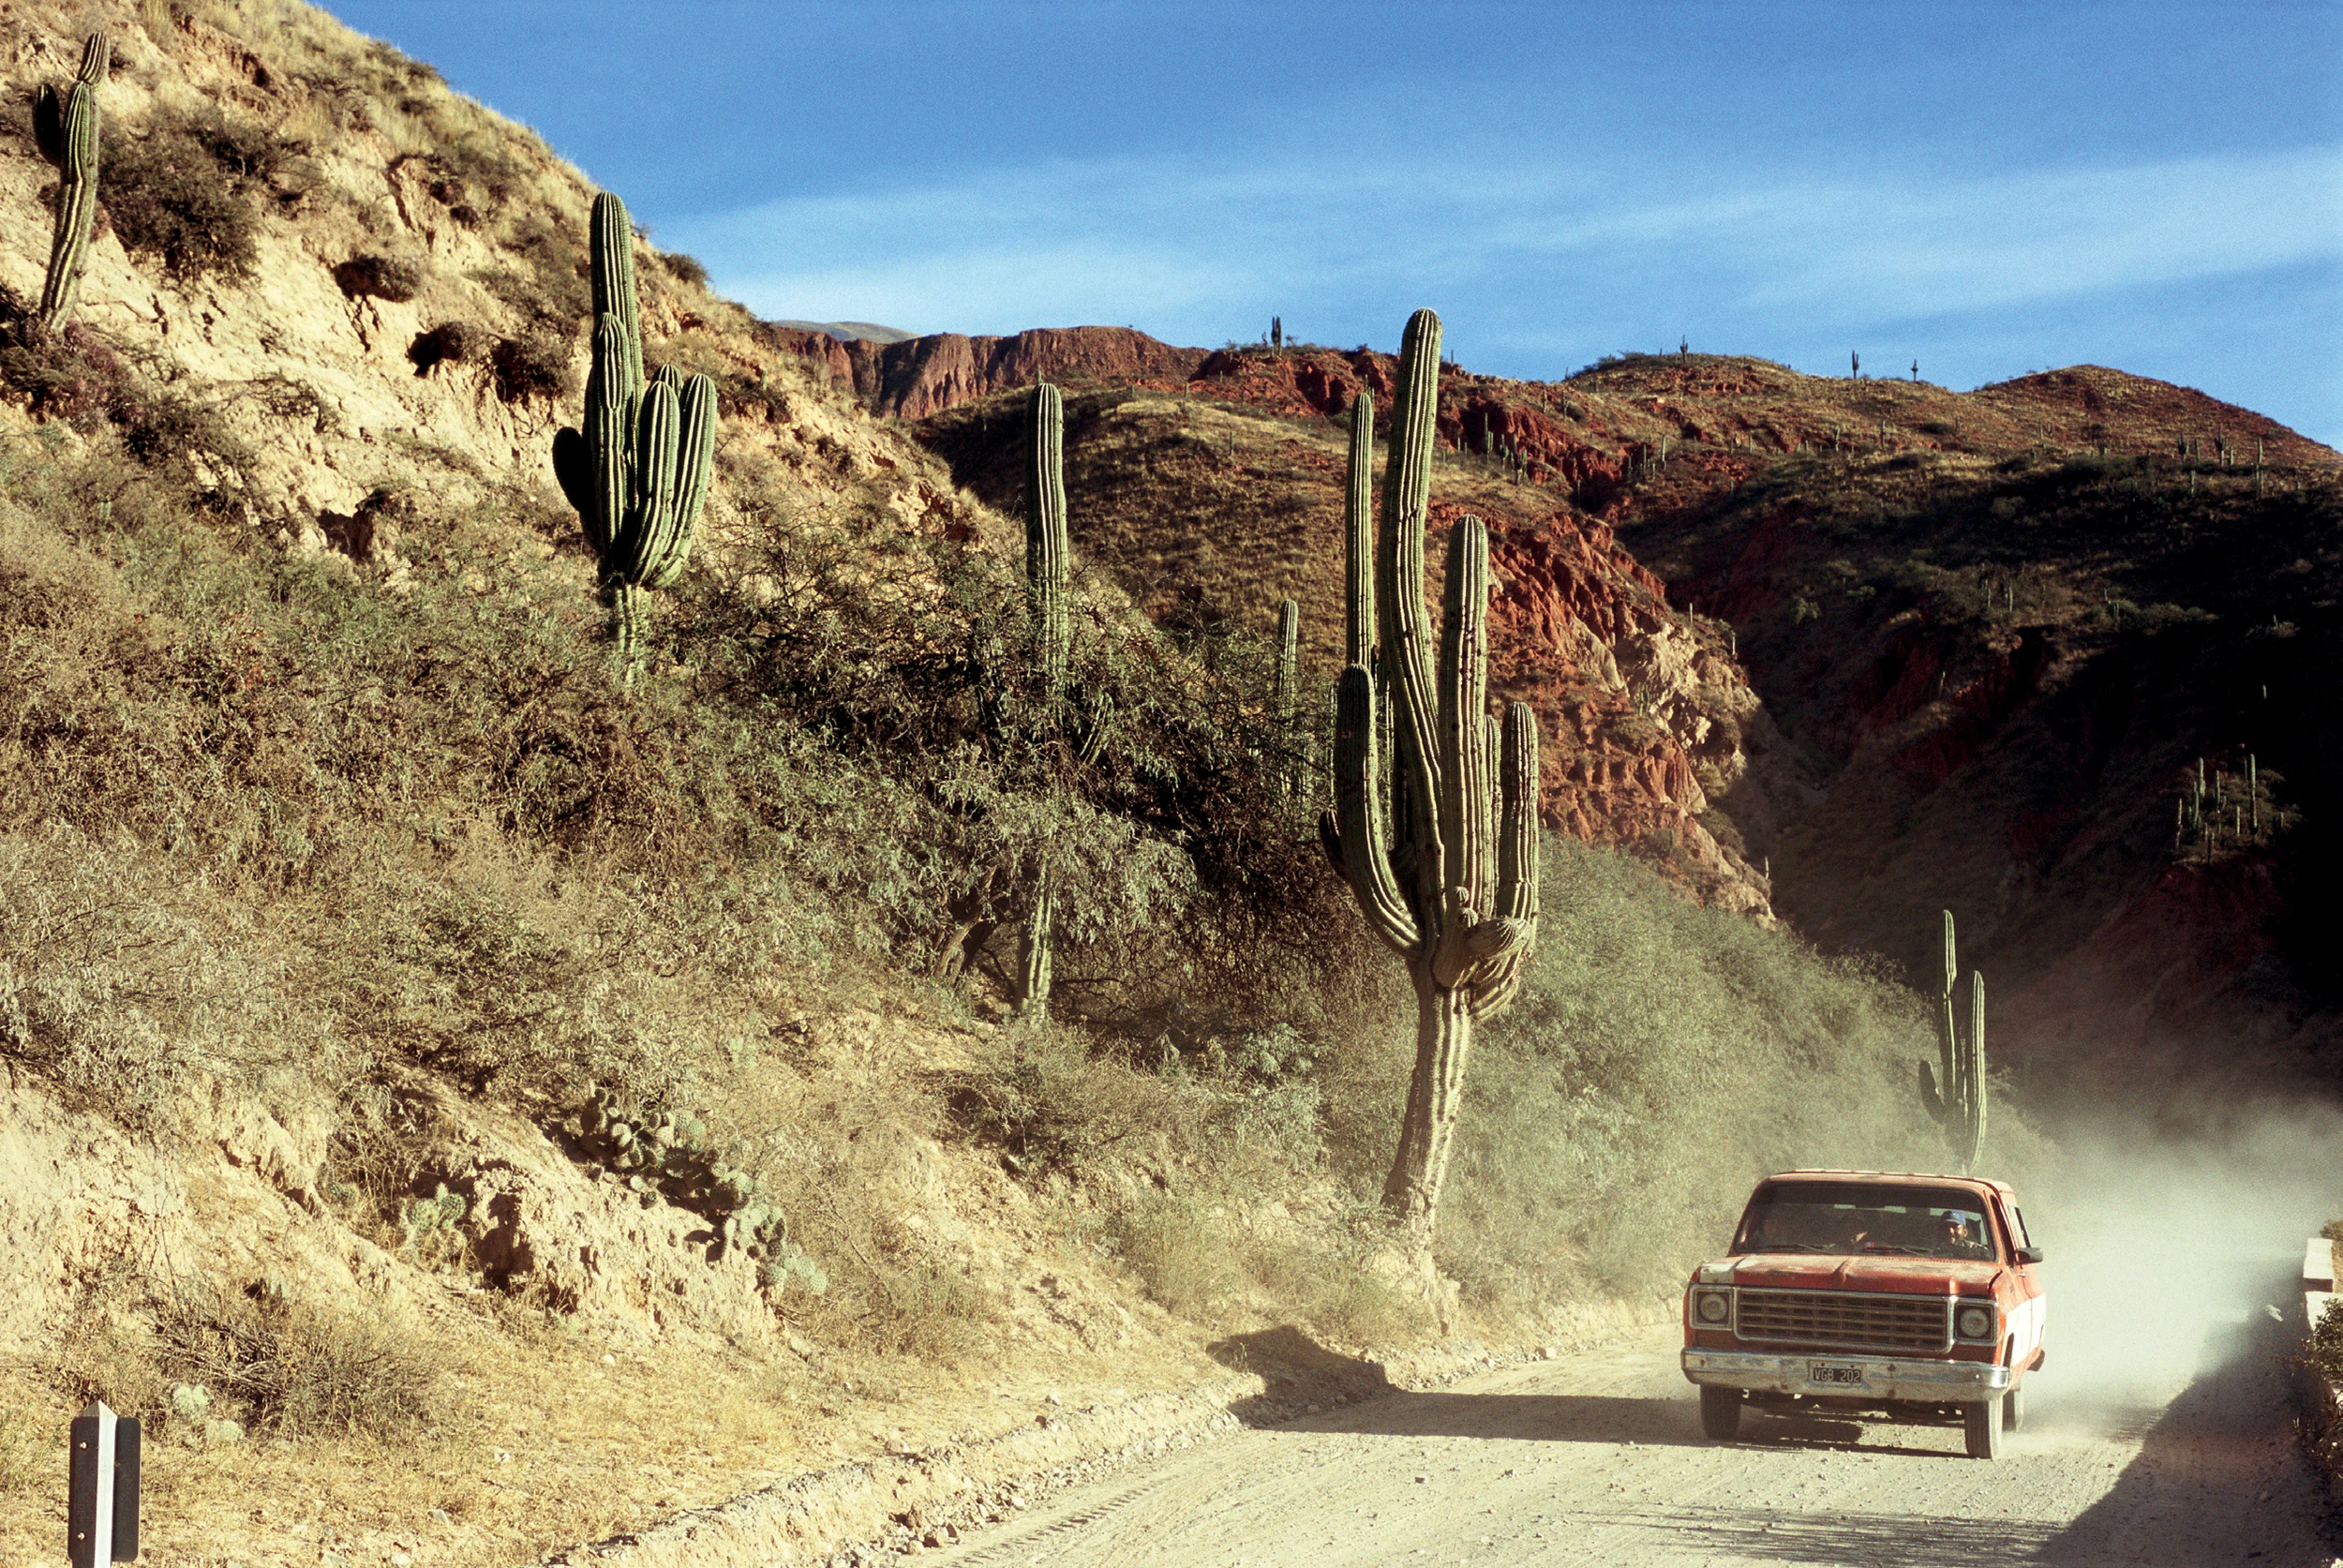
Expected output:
(102, 1489)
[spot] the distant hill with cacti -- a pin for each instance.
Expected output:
(1913, 647)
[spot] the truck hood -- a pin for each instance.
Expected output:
(1805, 1271)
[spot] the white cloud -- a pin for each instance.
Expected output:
(1173, 244)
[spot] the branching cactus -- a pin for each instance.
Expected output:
(1959, 1110)
(638, 473)
(1449, 879)
(66, 132)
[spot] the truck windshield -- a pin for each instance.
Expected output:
(1853, 1220)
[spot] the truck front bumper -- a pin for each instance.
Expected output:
(1927, 1382)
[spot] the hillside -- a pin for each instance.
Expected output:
(359, 928)
(1941, 648)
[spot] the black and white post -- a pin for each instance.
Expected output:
(102, 1489)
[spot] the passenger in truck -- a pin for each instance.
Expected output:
(1960, 1235)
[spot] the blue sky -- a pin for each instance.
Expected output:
(1991, 188)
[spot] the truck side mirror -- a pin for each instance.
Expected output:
(2029, 1254)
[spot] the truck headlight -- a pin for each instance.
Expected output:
(1973, 1323)
(1711, 1306)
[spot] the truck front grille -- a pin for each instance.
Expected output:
(1845, 1320)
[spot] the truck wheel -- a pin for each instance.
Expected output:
(2013, 1409)
(1721, 1413)
(1981, 1424)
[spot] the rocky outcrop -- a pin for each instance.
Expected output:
(921, 376)
(1638, 705)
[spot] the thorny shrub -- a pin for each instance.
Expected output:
(182, 191)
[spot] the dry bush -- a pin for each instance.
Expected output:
(534, 364)
(1185, 1260)
(298, 1367)
(837, 1157)
(1050, 1105)
(28, 1456)
(1334, 1291)
(396, 278)
(104, 1347)
(181, 192)
(450, 342)
(68, 374)
(76, 377)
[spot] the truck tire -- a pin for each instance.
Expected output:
(1721, 1413)
(2013, 1409)
(1981, 1426)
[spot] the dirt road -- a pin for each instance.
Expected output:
(1599, 1459)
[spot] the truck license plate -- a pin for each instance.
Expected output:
(1834, 1372)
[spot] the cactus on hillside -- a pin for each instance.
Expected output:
(1292, 765)
(1959, 1110)
(1449, 880)
(638, 472)
(66, 129)
(1049, 559)
(1048, 556)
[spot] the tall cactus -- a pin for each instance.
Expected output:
(1048, 556)
(1449, 879)
(66, 132)
(1049, 560)
(1961, 1109)
(638, 473)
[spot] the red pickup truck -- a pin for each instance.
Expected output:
(1897, 1296)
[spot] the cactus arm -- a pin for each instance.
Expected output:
(1048, 554)
(695, 457)
(1466, 789)
(1284, 696)
(610, 239)
(1947, 1033)
(1358, 790)
(1518, 849)
(72, 135)
(610, 415)
(1483, 899)
(1033, 951)
(1358, 525)
(1973, 1067)
(1402, 617)
(1289, 659)
(651, 514)
(1501, 945)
